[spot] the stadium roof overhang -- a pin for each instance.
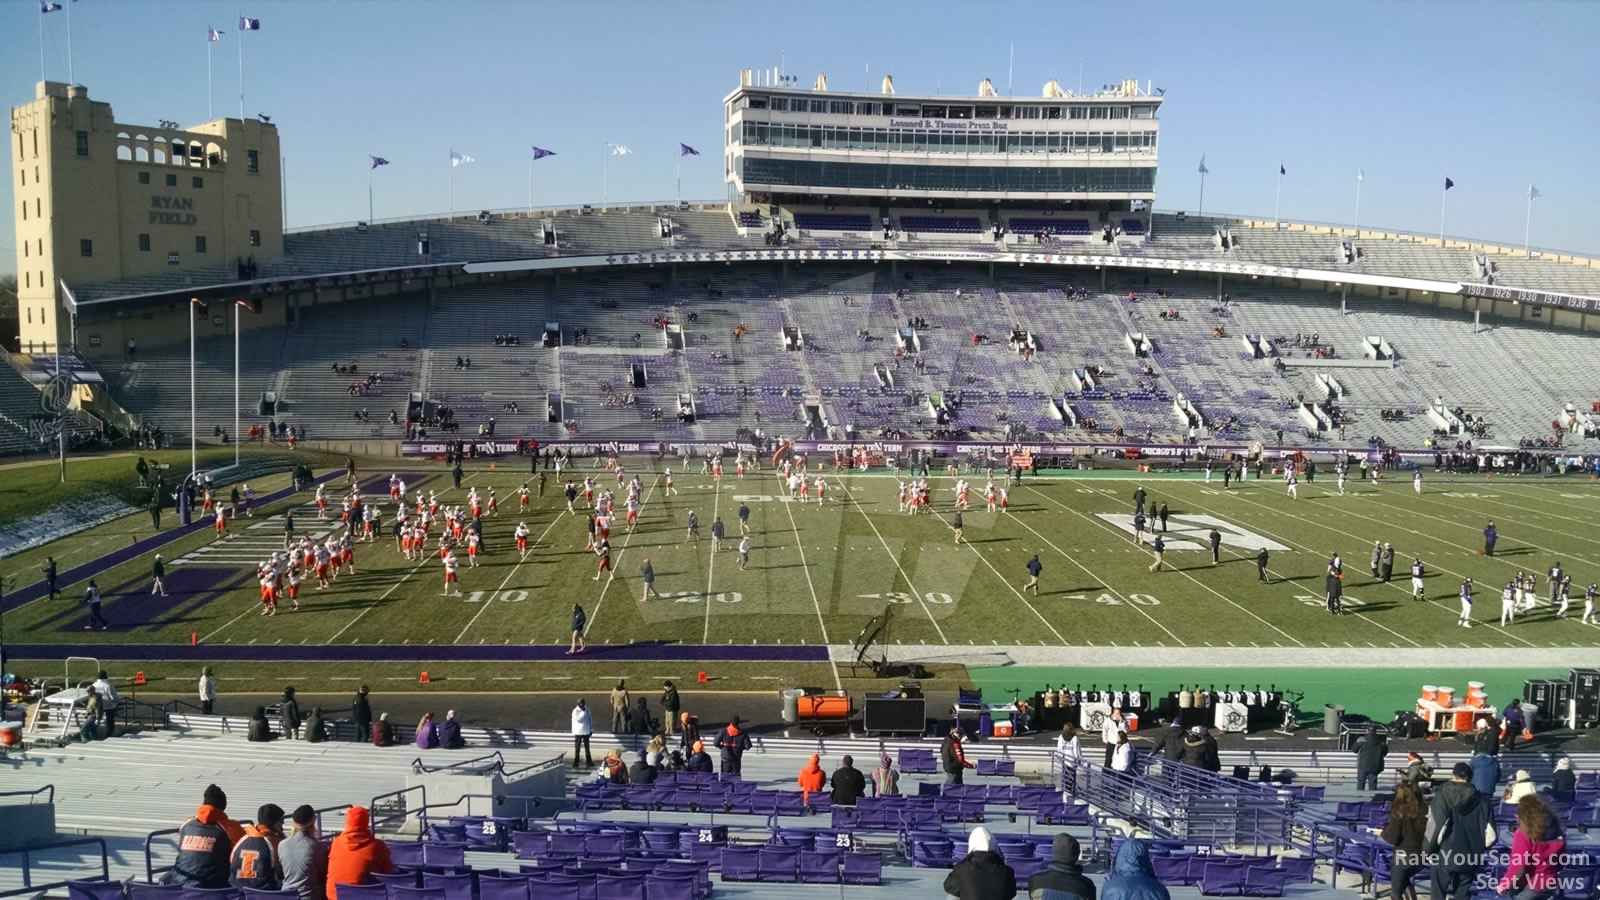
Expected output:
(1209, 266)
(286, 284)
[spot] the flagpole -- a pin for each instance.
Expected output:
(1360, 177)
(1443, 195)
(210, 112)
(1277, 201)
(241, 74)
(369, 193)
(452, 188)
(1527, 223)
(530, 184)
(1202, 211)
(680, 176)
(69, 42)
(605, 178)
(41, 43)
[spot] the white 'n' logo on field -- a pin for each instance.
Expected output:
(1193, 532)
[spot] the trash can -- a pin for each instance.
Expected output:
(791, 706)
(1332, 715)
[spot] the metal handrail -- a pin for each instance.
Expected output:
(28, 887)
(400, 794)
(150, 868)
(49, 788)
(419, 767)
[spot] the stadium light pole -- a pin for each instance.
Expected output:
(238, 313)
(194, 423)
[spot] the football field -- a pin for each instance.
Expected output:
(817, 572)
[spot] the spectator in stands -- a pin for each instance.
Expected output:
(1418, 773)
(382, 732)
(361, 713)
(1485, 773)
(953, 759)
(1063, 877)
(1538, 850)
(303, 858)
(639, 719)
(316, 727)
(849, 785)
(91, 716)
(1460, 830)
(1370, 749)
(289, 715)
(1521, 786)
(619, 708)
(1122, 754)
(1112, 728)
(1486, 740)
(260, 729)
(613, 769)
(982, 874)
(1405, 831)
(254, 863)
(1513, 721)
(1171, 746)
(204, 844)
(582, 732)
(449, 732)
(699, 760)
(811, 778)
(109, 699)
(733, 742)
(355, 855)
(885, 780)
(642, 772)
(670, 706)
(1132, 876)
(689, 732)
(427, 737)
(1563, 781)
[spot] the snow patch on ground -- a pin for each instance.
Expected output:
(60, 521)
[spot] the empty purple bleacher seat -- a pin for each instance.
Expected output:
(444, 855)
(502, 888)
(819, 866)
(739, 864)
(529, 844)
(618, 887)
(94, 890)
(140, 891)
(1264, 881)
(406, 854)
(446, 831)
(455, 887)
(862, 868)
(1222, 877)
(411, 893)
(777, 864)
(359, 892)
(411, 878)
(657, 887)
(827, 221)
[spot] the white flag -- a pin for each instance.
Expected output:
(459, 159)
(1533, 193)
(1203, 169)
(1361, 174)
(619, 150)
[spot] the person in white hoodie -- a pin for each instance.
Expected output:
(108, 701)
(1112, 726)
(1122, 754)
(208, 691)
(582, 731)
(1070, 750)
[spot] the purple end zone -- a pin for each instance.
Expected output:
(642, 652)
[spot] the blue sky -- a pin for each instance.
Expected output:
(1494, 95)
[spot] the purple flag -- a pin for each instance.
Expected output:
(379, 161)
(686, 150)
(46, 6)
(1448, 184)
(249, 24)
(213, 35)
(541, 153)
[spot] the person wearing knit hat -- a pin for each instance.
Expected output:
(1521, 786)
(982, 873)
(1563, 781)
(699, 760)
(885, 780)
(303, 857)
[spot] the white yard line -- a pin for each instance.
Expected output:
(554, 518)
(920, 601)
(589, 625)
(711, 563)
(1519, 523)
(817, 604)
(1103, 582)
(1007, 582)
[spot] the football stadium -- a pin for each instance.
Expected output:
(1114, 544)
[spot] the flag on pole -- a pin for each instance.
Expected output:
(1533, 193)
(686, 150)
(46, 6)
(213, 35)
(1448, 184)
(1361, 174)
(1203, 169)
(619, 150)
(459, 159)
(541, 153)
(1282, 170)
(378, 161)
(249, 24)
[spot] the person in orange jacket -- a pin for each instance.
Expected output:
(205, 843)
(811, 778)
(356, 855)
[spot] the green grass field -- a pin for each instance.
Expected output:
(818, 572)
